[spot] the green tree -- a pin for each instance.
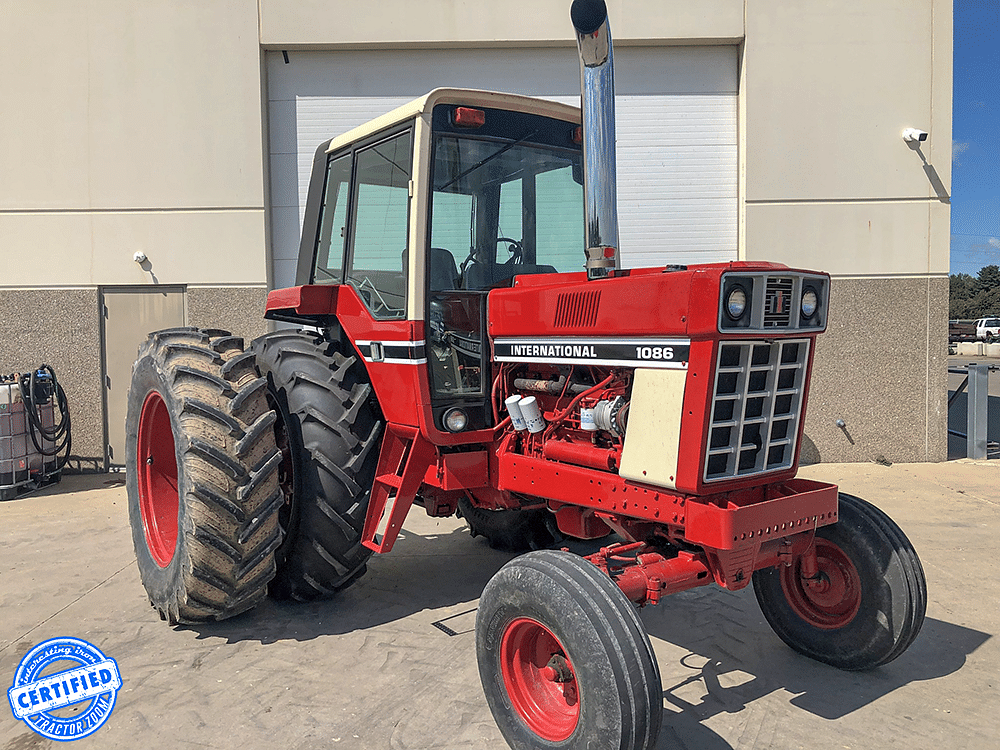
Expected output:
(962, 293)
(971, 298)
(987, 285)
(988, 302)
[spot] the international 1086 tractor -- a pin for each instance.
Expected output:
(455, 356)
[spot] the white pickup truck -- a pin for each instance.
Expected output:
(988, 329)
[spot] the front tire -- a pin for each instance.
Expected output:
(201, 472)
(871, 598)
(563, 658)
(331, 430)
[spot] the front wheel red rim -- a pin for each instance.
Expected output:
(156, 469)
(540, 679)
(832, 598)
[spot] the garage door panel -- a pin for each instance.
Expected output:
(665, 236)
(665, 120)
(684, 171)
(665, 228)
(676, 112)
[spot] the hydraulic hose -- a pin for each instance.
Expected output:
(35, 393)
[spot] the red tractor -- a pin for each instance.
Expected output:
(455, 358)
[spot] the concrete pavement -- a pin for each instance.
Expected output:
(373, 669)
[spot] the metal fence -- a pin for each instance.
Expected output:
(977, 383)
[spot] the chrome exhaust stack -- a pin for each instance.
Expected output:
(597, 84)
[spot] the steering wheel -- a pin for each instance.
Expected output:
(516, 251)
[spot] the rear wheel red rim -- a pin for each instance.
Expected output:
(156, 465)
(540, 679)
(832, 599)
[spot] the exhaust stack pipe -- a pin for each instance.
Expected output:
(597, 83)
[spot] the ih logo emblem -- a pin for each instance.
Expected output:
(778, 303)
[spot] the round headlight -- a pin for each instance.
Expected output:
(809, 303)
(455, 420)
(736, 303)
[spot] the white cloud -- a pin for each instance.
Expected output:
(995, 242)
(957, 149)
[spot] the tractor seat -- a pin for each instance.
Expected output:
(482, 276)
(443, 271)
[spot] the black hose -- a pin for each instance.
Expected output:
(33, 396)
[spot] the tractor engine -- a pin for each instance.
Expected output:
(566, 415)
(700, 395)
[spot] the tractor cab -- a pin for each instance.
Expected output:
(421, 213)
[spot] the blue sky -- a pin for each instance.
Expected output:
(975, 176)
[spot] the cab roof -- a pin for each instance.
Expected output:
(466, 97)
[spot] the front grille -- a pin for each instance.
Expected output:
(778, 302)
(756, 407)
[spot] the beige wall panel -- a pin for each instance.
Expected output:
(940, 152)
(44, 158)
(289, 23)
(183, 247)
(939, 253)
(126, 105)
(829, 88)
(849, 239)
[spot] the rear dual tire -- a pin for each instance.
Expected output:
(329, 430)
(201, 473)
(510, 530)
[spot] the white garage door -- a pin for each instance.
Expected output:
(676, 125)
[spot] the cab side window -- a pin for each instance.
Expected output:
(377, 266)
(333, 222)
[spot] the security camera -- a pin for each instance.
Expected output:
(139, 257)
(911, 135)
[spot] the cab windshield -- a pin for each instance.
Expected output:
(505, 206)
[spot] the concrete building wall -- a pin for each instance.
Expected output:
(60, 328)
(128, 127)
(138, 127)
(828, 89)
(142, 127)
(442, 23)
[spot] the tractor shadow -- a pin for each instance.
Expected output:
(733, 659)
(434, 571)
(716, 653)
(434, 566)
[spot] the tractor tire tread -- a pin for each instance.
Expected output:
(333, 421)
(509, 530)
(857, 517)
(227, 526)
